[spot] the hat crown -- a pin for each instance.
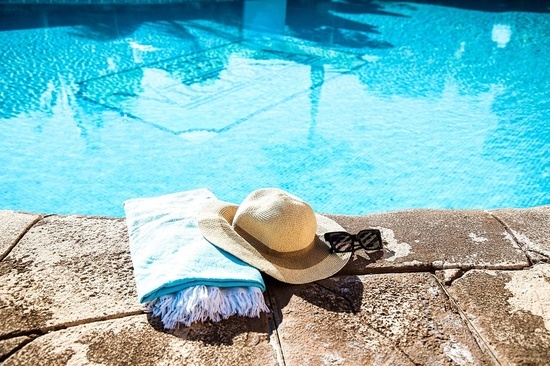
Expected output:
(276, 221)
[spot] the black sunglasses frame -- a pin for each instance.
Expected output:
(355, 239)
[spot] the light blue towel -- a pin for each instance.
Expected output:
(181, 276)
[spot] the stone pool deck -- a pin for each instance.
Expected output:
(452, 287)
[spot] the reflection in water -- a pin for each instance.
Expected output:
(139, 49)
(59, 98)
(46, 99)
(336, 24)
(501, 35)
(60, 108)
(460, 51)
(220, 91)
(112, 64)
(264, 16)
(388, 106)
(317, 75)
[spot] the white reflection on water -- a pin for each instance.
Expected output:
(501, 35)
(139, 49)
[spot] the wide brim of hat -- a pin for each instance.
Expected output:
(315, 264)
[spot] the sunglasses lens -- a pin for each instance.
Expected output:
(370, 239)
(341, 242)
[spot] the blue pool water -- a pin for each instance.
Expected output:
(356, 107)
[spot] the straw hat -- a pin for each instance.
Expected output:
(275, 232)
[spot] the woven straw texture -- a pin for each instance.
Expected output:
(275, 232)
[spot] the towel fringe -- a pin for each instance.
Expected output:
(202, 303)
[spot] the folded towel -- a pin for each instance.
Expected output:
(182, 276)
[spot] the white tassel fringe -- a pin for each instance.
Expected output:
(201, 303)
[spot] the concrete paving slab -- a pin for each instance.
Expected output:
(447, 276)
(64, 270)
(531, 227)
(8, 346)
(421, 240)
(384, 319)
(510, 311)
(12, 226)
(69, 282)
(133, 340)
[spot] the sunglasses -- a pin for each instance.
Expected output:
(342, 242)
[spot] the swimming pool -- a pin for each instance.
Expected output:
(356, 107)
